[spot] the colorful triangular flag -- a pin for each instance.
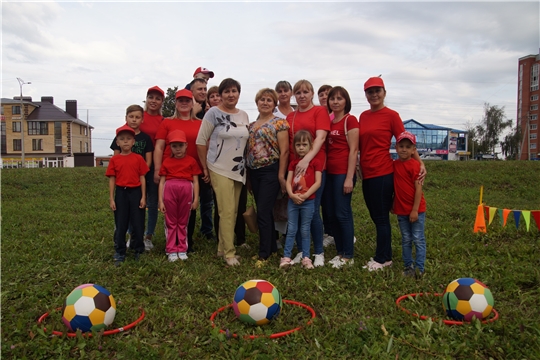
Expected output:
(527, 217)
(492, 211)
(505, 216)
(536, 216)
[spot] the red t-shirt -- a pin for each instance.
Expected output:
(127, 169)
(337, 147)
(314, 119)
(184, 168)
(189, 127)
(302, 183)
(376, 131)
(405, 174)
(150, 125)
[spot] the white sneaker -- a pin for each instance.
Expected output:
(182, 256)
(319, 260)
(340, 263)
(297, 259)
(328, 240)
(335, 259)
(354, 240)
(173, 257)
(148, 244)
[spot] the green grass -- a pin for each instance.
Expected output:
(57, 234)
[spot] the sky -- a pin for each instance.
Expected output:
(441, 61)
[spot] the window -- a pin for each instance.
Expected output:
(38, 128)
(85, 131)
(17, 145)
(16, 110)
(86, 147)
(37, 144)
(534, 117)
(533, 136)
(533, 127)
(534, 97)
(534, 77)
(16, 126)
(533, 146)
(534, 107)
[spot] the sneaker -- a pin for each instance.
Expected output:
(173, 257)
(128, 240)
(342, 262)
(297, 259)
(409, 272)
(285, 263)
(137, 256)
(118, 259)
(319, 260)
(148, 243)
(335, 259)
(373, 266)
(328, 240)
(245, 246)
(260, 263)
(232, 261)
(306, 263)
(354, 241)
(420, 275)
(182, 256)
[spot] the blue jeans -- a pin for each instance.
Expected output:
(316, 222)
(379, 195)
(413, 233)
(340, 214)
(300, 218)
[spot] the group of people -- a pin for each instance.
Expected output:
(209, 154)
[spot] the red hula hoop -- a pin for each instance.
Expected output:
(447, 322)
(272, 336)
(89, 334)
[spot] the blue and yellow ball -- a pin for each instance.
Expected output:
(257, 302)
(466, 298)
(89, 307)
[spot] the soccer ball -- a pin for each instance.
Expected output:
(88, 307)
(257, 302)
(467, 297)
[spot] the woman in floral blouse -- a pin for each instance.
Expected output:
(221, 144)
(267, 158)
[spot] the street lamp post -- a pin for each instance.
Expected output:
(21, 83)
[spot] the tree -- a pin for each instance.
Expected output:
(511, 143)
(472, 143)
(491, 127)
(169, 102)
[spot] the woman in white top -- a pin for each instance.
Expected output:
(221, 144)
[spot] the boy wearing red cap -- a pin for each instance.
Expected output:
(127, 194)
(178, 194)
(409, 204)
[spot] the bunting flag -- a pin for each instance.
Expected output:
(536, 216)
(505, 216)
(527, 217)
(492, 211)
(517, 216)
(486, 212)
(499, 211)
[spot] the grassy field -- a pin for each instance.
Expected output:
(57, 234)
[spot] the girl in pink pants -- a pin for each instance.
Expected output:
(178, 194)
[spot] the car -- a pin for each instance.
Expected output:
(430, 157)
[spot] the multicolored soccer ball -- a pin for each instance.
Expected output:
(257, 302)
(467, 297)
(88, 307)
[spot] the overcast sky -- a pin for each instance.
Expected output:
(440, 61)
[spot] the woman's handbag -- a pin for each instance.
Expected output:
(250, 217)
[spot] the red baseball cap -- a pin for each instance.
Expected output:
(373, 82)
(156, 89)
(125, 128)
(184, 93)
(204, 71)
(406, 135)
(176, 136)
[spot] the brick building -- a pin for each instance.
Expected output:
(52, 137)
(527, 106)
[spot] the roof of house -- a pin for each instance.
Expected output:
(433, 126)
(45, 111)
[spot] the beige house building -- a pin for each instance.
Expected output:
(52, 137)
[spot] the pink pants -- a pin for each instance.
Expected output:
(177, 197)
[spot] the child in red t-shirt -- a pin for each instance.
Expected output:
(127, 194)
(409, 204)
(301, 188)
(178, 194)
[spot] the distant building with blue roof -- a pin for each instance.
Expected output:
(447, 143)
